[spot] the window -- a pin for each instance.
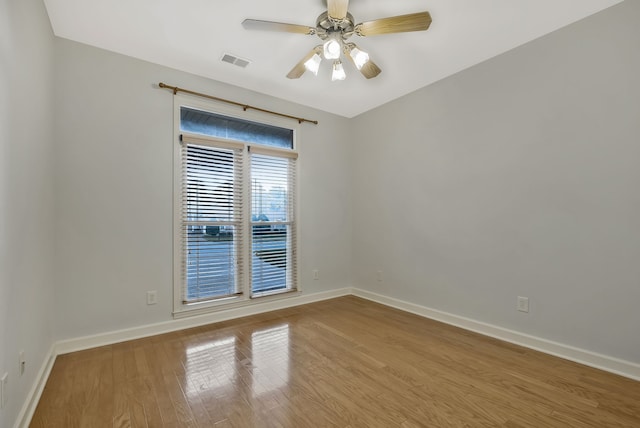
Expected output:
(272, 225)
(235, 210)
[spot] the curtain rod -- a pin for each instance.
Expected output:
(245, 107)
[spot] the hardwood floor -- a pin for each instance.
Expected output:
(345, 362)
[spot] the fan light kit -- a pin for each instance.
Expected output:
(334, 27)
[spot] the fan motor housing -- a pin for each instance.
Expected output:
(325, 25)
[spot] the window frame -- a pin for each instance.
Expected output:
(246, 297)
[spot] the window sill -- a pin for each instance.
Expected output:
(217, 306)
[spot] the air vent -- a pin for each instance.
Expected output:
(231, 59)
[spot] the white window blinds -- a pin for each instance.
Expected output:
(212, 219)
(273, 226)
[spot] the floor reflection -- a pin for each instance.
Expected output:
(248, 365)
(270, 359)
(210, 366)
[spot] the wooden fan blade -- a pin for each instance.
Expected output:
(396, 24)
(370, 70)
(337, 9)
(298, 70)
(256, 24)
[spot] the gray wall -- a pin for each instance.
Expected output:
(113, 187)
(518, 176)
(26, 199)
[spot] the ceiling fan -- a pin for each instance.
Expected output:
(334, 27)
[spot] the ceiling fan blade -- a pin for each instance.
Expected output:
(298, 70)
(337, 9)
(256, 24)
(370, 70)
(396, 24)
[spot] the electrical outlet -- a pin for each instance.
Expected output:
(316, 274)
(523, 304)
(152, 297)
(22, 363)
(4, 390)
(380, 277)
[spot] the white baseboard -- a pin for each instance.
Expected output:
(582, 356)
(102, 339)
(29, 407)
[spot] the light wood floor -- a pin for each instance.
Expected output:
(345, 362)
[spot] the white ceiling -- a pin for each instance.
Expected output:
(192, 35)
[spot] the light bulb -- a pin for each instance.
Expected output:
(313, 64)
(360, 58)
(331, 49)
(338, 71)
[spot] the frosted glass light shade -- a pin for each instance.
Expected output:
(338, 72)
(331, 49)
(313, 64)
(360, 58)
